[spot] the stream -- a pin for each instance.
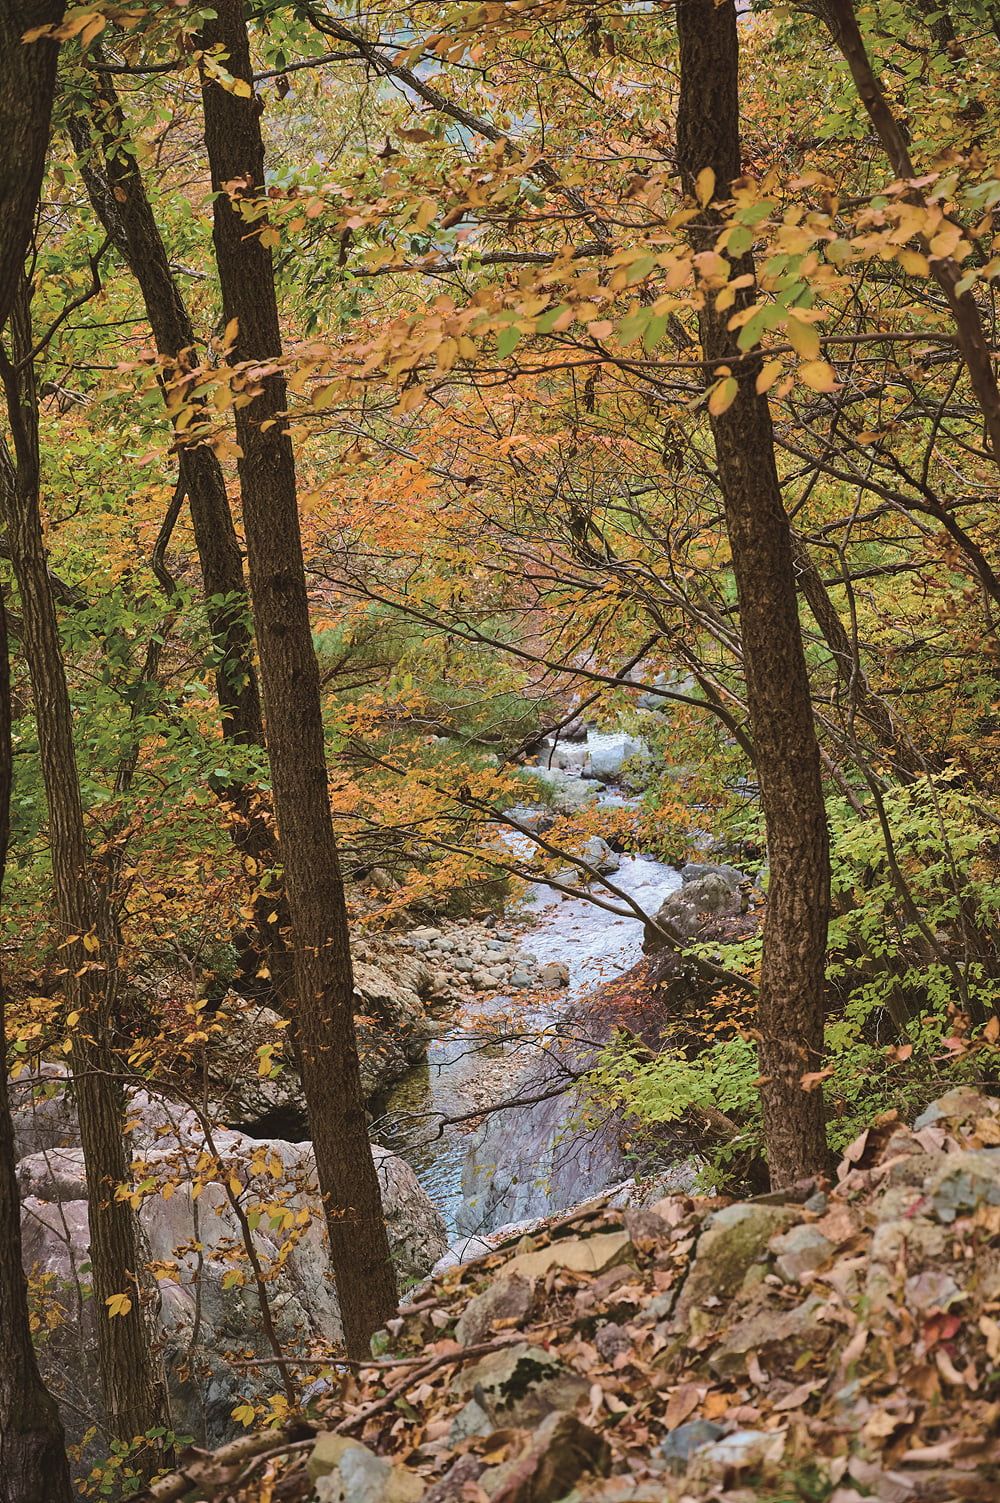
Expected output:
(467, 1069)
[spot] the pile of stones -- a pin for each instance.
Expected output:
(466, 957)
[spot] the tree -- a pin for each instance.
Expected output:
(324, 1008)
(33, 1464)
(118, 194)
(28, 71)
(791, 1004)
(130, 1382)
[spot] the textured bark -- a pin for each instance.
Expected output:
(117, 192)
(324, 1010)
(33, 1464)
(27, 84)
(132, 1396)
(792, 985)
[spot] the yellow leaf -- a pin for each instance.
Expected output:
(768, 374)
(819, 375)
(913, 262)
(803, 338)
(244, 1414)
(118, 1304)
(91, 943)
(704, 185)
(722, 395)
(235, 1184)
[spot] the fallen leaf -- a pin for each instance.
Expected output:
(682, 1402)
(797, 1396)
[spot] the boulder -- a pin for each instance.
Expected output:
(607, 755)
(563, 792)
(42, 1110)
(731, 1242)
(359, 1476)
(687, 909)
(695, 871)
(519, 1385)
(508, 1299)
(207, 1303)
(392, 1034)
(600, 856)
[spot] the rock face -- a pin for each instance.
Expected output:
(207, 1306)
(392, 1029)
(532, 1160)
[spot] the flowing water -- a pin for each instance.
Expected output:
(466, 1068)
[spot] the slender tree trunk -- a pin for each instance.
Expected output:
(972, 338)
(132, 1395)
(27, 84)
(792, 986)
(891, 739)
(324, 1012)
(117, 192)
(33, 1464)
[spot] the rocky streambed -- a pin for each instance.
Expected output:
(533, 1027)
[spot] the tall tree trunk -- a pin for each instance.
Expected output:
(324, 1012)
(118, 194)
(27, 84)
(791, 1000)
(132, 1394)
(33, 1464)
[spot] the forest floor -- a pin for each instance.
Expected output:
(835, 1343)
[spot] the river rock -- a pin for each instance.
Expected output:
(565, 793)
(600, 856)
(695, 871)
(607, 756)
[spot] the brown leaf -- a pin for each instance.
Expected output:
(797, 1396)
(683, 1401)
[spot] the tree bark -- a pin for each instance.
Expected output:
(324, 1011)
(132, 1394)
(792, 986)
(118, 194)
(27, 84)
(33, 1464)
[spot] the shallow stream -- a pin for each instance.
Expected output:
(463, 1074)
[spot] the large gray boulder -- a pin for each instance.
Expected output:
(205, 1307)
(708, 892)
(607, 755)
(563, 792)
(392, 1032)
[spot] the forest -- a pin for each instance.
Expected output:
(499, 751)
